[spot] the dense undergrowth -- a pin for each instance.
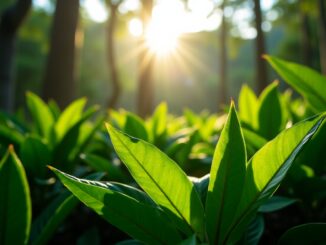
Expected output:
(253, 175)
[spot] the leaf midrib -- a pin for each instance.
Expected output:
(156, 184)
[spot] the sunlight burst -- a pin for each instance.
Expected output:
(160, 39)
(164, 29)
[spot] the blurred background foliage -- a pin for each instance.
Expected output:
(189, 76)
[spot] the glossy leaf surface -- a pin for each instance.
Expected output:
(267, 168)
(309, 83)
(162, 179)
(15, 204)
(227, 178)
(140, 220)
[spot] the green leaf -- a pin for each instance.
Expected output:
(10, 136)
(54, 108)
(309, 83)
(41, 114)
(255, 231)
(162, 179)
(101, 164)
(69, 117)
(267, 168)
(253, 141)
(140, 220)
(276, 203)
(64, 151)
(15, 205)
(132, 192)
(158, 123)
(135, 126)
(45, 225)
(248, 106)
(312, 233)
(35, 155)
(271, 113)
(227, 178)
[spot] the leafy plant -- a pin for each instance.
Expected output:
(171, 209)
(309, 83)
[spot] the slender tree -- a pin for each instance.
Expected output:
(10, 21)
(322, 35)
(59, 80)
(223, 91)
(261, 71)
(145, 98)
(305, 36)
(112, 64)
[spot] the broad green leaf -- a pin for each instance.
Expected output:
(141, 221)
(54, 108)
(15, 204)
(253, 141)
(101, 164)
(45, 225)
(53, 215)
(158, 123)
(41, 114)
(227, 178)
(267, 168)
(248, 106)
(10, 136)
(162, 179)
(271, 112)
(35, 155)
(312, 233)
(132, 192)
(64, 151)
(87, 132)
(255, 231)
(309, 83)
(276, 203)
(69, 117)
(159, 118)
(135, 126)
(314, 153)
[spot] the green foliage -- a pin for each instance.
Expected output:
(228, 213)
(15, 205)
(309, 83)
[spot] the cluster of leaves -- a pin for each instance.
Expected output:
(239, 163)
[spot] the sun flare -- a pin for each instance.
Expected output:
(161, 39)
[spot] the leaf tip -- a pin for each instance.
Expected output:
(51, 168)
(266, 57)
(11, 148)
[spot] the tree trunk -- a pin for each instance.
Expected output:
(59, 80)
(145, 88)
(322, 35)
(261, 76)
(10, 21)
(223, 92)
(305, 38)
(112, 64)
